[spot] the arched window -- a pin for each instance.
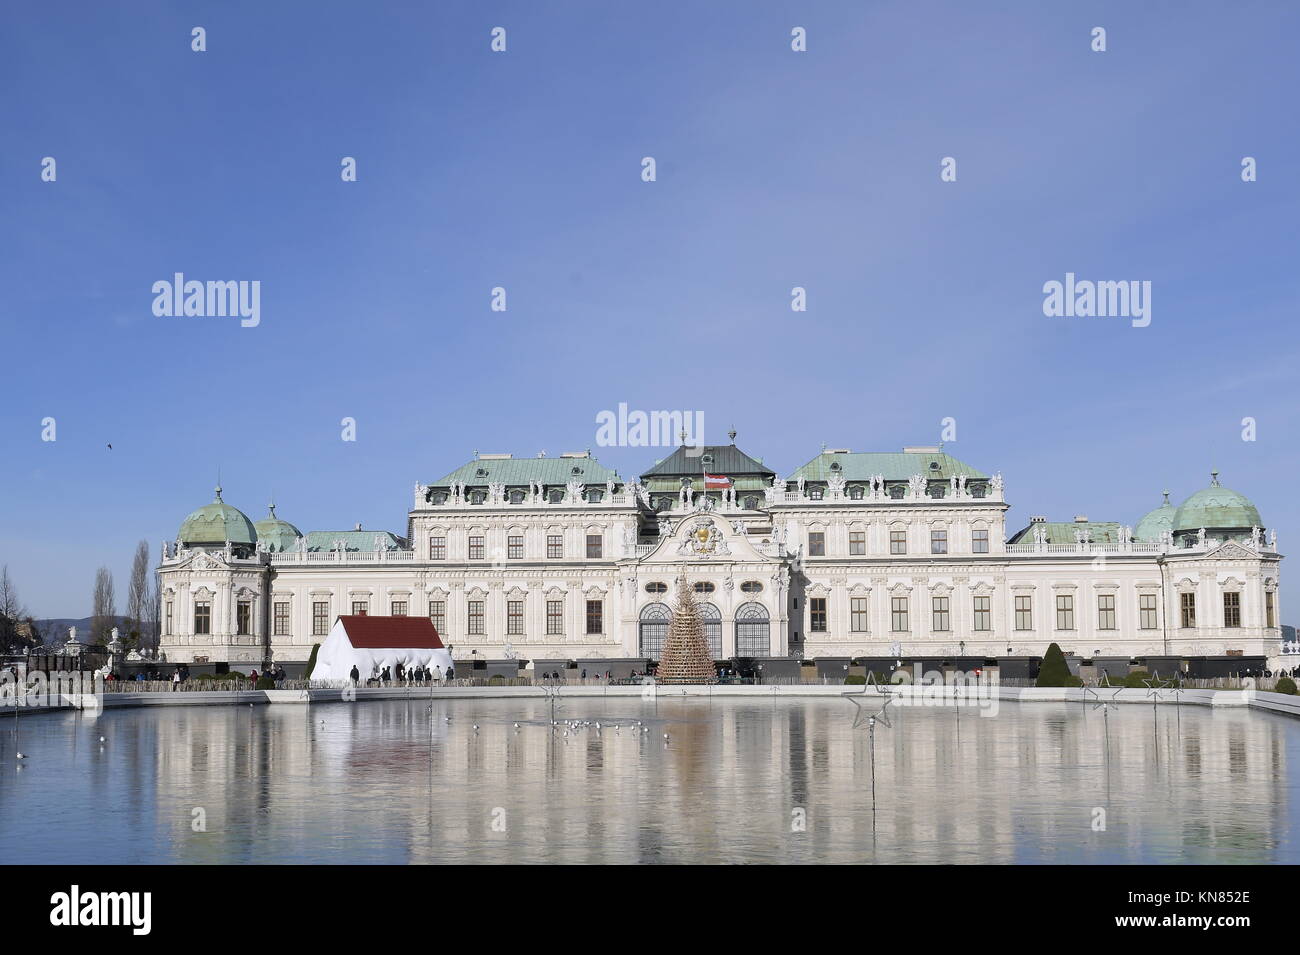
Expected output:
(751, 587)
(656, 587)
(753, 630)
(653, 629)
(711, 617)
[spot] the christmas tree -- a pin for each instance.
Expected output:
(686, 657)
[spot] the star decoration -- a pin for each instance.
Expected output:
(1104, 704)
(1155, 685)
(860, 697)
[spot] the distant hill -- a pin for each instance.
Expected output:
(55, 629)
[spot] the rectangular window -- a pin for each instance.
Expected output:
(1024, 613)
(243, 617)
(979, 541)
(397, 608)
(984, 613)
(437, 548)
(515, 547)
(1105, 611)
(514, 617)
(281, 616)
(858, 614)
(320, 618)
(167, 618)
(475, 618)
(438, 615)
(942, 621)
(817, 612)
(898, 542)
(554, 617)
(595, 616)
(1232, 609)
(476, 548)
(1147, 611)
(595, 547)
(898, 614)
(554, 546)
(816, 544)
(360, 608)
(202, 616)
(1187, 606)
(938, 541)
(857, 543)
(1064, 611)
(1270, 613)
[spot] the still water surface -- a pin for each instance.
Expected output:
(393, 783)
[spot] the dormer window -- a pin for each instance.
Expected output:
(576, 470)
(856, 492)
(815, 493)
(477, 497)
(480, 472)
(937, 491)
(835, 466)
(556, 496)
(438, 497)
(516, 496)
(595, 495)
(896, 492)
(751, 503)
(977, 490)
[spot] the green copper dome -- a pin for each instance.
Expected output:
(217, 523)
(276, 535)
(1216, 508)
(1156, 522)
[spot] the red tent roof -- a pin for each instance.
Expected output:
(391, 633)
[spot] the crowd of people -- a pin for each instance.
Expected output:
(400, 675)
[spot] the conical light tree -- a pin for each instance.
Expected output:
(685, 657)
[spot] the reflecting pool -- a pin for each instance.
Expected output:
(738, 780)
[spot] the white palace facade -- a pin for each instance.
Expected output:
(868, 554)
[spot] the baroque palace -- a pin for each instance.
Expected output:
(854, 554)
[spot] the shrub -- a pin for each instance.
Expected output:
(1136, 680)
(311, 662)
(854, 680)
(265, 683)
(1054, 671)
(1285, 685)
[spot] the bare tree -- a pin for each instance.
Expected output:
(103, 616)
(11, 612)
(152, 613)
(137, 599)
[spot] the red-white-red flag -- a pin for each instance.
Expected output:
(716, 480)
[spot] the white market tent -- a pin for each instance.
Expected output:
(372, 643)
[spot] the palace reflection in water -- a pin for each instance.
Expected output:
(391, 782)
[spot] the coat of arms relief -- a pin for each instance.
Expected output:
(704, 539)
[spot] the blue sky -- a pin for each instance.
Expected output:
(522, 169)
